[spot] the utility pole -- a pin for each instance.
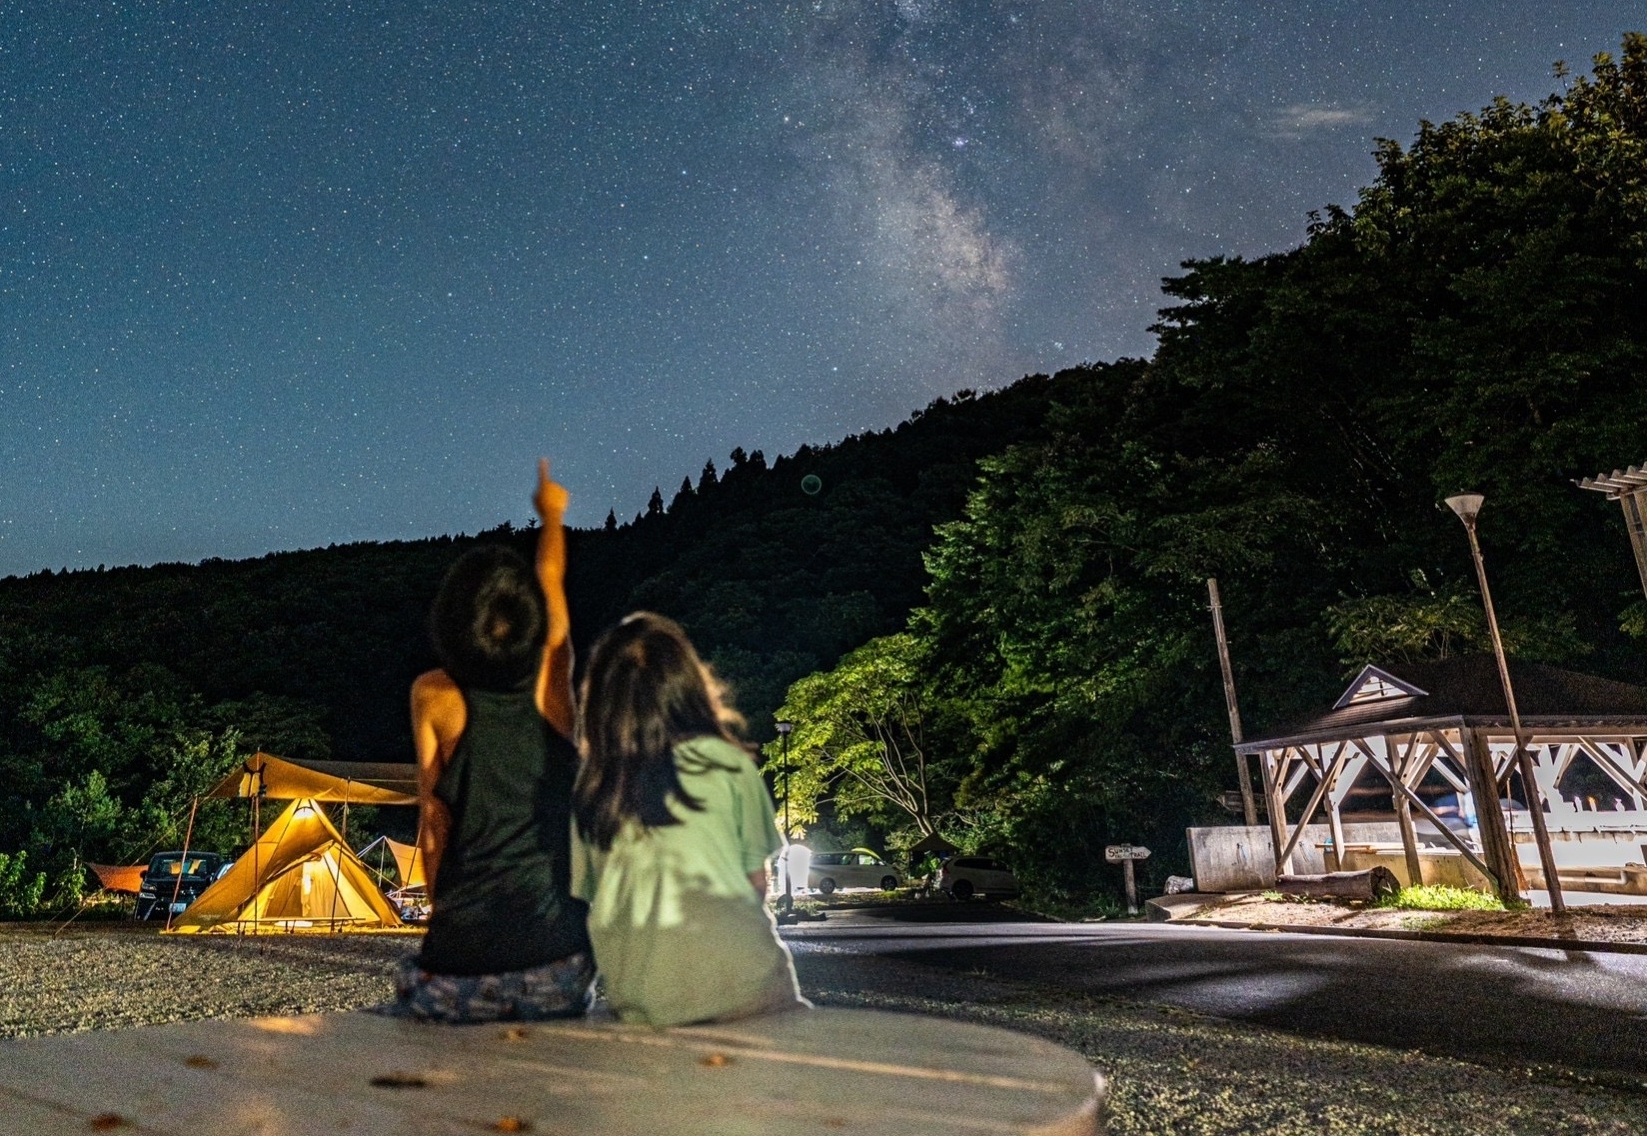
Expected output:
(784, 728)
(1249, 808)
(1468, 508)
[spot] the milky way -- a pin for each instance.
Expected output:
(278, 275)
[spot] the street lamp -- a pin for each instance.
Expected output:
(1468, 507)
(784, 728)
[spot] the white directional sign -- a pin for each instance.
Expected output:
(1116, 853)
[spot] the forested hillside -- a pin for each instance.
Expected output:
(1478, 321)
(127, 691)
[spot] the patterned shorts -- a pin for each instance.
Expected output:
(558, 989)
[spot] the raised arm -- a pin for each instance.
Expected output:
(555, 700)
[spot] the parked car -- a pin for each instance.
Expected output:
(966, 876)
(856, 869)
(169, 879)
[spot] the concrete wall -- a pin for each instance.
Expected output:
(1583, 849)
(1237, 858)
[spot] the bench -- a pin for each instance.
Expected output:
(818, 1071)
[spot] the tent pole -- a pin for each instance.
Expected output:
(177, 888)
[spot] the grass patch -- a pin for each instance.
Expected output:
(1069, 908)
(1441, 897)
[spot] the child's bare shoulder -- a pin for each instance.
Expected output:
(433, 689)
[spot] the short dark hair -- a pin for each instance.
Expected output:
(645, 692)
(490, 622)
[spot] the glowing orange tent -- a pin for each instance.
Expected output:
(335, 782)
(300, 876)
(126, 878)
(408, 861)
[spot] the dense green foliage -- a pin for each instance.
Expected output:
(860, 739)
(1477, 321)
(126, 692)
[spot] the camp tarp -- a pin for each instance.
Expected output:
(335, 782)
(408, 860)
(127, 878)
(932, 843)
(299, 876)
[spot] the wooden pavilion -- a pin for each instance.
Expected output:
(1409, 724)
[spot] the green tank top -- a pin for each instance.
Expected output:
(502, 900)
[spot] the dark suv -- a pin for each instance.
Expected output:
(169, 876)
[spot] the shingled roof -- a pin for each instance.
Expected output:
(1468, 687)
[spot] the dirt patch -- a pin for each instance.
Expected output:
(1623, 923)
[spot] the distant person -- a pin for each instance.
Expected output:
(496, 764)
(674, 829)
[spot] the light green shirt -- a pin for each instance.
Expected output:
(678, 932)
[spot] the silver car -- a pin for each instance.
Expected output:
(856, 869)
(966, 876)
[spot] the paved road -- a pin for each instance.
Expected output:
(1579, 1009)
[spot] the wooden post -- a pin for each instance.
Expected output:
(1523, 759)
(1277, 810)
(188, 835)
(1496, 847)
(1249, 808)
(1132, 888)
(1635, 520)
(1335, 823)
(1404, 810)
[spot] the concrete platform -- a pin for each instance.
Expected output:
(819, 1071)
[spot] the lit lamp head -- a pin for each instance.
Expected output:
(1467, 506)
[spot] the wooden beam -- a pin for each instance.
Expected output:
(1273, 805)
(1321, 789)
(1626, 778)
(1496, 845)
(1451, 837)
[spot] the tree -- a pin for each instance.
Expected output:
(861, 740)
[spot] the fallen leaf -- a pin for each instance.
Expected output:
(515, 1033)
(200, 1062)
(399, 1081)
(512, 1124)
(107, 1122)
(716, 1060)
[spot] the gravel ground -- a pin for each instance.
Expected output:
(1172, 1071)
(126, 974)
(1616, 923)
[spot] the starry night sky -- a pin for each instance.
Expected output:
(274, 275)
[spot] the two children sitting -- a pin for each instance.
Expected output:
(628, 831)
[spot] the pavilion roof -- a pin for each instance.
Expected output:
(1386, 698)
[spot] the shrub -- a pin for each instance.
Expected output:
(1442, 897)
(20, 892)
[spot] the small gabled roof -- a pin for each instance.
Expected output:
(1468, 687)
(1374, 684)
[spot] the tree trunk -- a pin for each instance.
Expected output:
(1370, 884)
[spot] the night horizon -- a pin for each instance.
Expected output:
(276, 281)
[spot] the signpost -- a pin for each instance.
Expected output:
(1125, 854)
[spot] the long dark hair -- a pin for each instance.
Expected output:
(645, 692)
(489, 622)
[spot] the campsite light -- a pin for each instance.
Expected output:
(306, 809)
(1468, 508)
(784, 728)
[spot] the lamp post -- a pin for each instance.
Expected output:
(1468, 508)
(784, 728)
